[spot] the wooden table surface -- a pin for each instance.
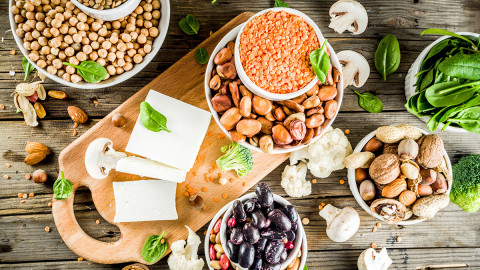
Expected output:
(452, 237)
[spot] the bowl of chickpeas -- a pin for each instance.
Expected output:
(51, 32)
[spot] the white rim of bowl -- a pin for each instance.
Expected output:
(278, 199)
(410, 79)
(103, 11)
(208, 95)
(354, 189)
(165, 13)
(243, 75)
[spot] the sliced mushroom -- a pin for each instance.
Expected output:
(355, 68)
(100, 158)
(391, 210)
(348, 15)
(371, 260)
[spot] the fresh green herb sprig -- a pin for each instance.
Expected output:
(320, 62)
(279, 3)
(369, 102)
(201, 55)
(189, 25)
(152, 119)
(27, 67)
(153, 249)
(387, 56)
(90, 71)
(62, 188)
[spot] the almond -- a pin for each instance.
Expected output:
(407, 197)
(394, 188)
(36, 147)
(57, 94)
(34, 158)
(77, 114)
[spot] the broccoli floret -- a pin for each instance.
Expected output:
(466, 183)
(237, 157)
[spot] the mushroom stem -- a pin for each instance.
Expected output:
(329, 212)
(341, 23)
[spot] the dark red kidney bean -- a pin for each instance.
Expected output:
(221, 103)
(259, 247)
(291, 236)
(273, 251)
(273, 234)
(250, 233)
(257, 264)
(267, 223)
(259, 220)
(251, 204)
(331, 109)
(246, 255)
(233, 251)
(264, 195)
(284, 256)
(236, 236)
(289, 245)
(291, 212)
(294, 226)
(280, 220)
(238, 211)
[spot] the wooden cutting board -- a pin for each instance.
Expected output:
(184, 81)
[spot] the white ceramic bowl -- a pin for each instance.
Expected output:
(410, 79)
(300, 234)
(354, 188)
(109, 14)
(157, 43)
(258, 90)
(231, 36)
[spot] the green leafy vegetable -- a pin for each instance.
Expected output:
(305, 268)
(236, 157)
(279, 3)
(153, 249)
(62, 188)
(90, 71)
(369, 102)
(320, 62)
(468, 119)
(27, 67)
(151, 119)
(201, 55)
(450, 93)
(466, 183)
(387, 56)
(438, 31)
(463, 66)
(189, 25)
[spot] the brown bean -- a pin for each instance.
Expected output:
(237, 137)
(224, 88)
(279, 114)
(331, 109)
(233, 88)
(313, 91)
(295, 116)
(231, 46)
(300, 99)
(311, 102)
(315, 120)
(266, 125)
(327, 92)
(270, 117)
(244, 91)
(246, 107)
(227, 71)
(329, 80)
(313, 111)
(281, 135)
(308, 136)
(230, 118)
(215, 82)
(221, 103)
(262, 106)
(317, 131)
(266, 143)
(293, 106)
(249, 127)
(223, 56)
(337, 75)
(253, 141)
(253, 116)
(298, 130)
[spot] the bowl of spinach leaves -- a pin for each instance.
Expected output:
(443, 85)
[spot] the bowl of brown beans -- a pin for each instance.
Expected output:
(50, 33)
(107, 10)
(261, 124)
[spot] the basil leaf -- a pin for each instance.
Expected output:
(387, 56)
(153, 249)
(279, 3)
(62, 188)
(27, 67)
(90, 71)
(464, 66)
(201, 55)
(438, 31)
(320, 62)
(450, 93)
(189, 25)
(369, 102)
(151, 119)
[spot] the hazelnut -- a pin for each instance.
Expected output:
(367, 190)
(429, 176)
(360, 174)
(118, 120)
(440, 185)
(424, 190)
(40, 176)
(373, 145)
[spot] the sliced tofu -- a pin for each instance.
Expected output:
(149, 168)
(144, 200)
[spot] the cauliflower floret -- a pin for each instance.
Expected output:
(293, 180)
(299, 155)
(185, 257)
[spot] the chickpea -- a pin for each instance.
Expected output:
(46, 33)
(87, 49)
(120, 62)
(19, 32)
(136, 46)
(73, 21)
(108, 25)
(111, 57)
(111, 70)
(102, 53)
(46, 8)
(106, 45)
(90, 20)
(75, 78)
(82, 33)
(82, 17)
(51, 13)
(70, 5)
(113, 49)
(59, 9)
(67, 14)
(72, 31)
(56, 42)
(33, 56)
(50, 58)
(40, 26)
(85, 41)
(29, 36)
(102, 32)
(101, 39)
(113, 39)
(147, 16)
(52, 70)
(54, 32)
(142, 39)
(31, 23)
(18, 19)
(77, 38)
(36, 2)
(147, 48)
(70, 69)
(45, 50)
(28, 6)
(66, 76)
(81, 56)
(126, 37)
(73, 60)
(156, 14)
(60, 72)
(129, 45)
(76, 46)
(62, 55)
(69, 51)
(148, 7)
(137, 58)
(96, 26)
(144, 32)
(26, 27)
(131, 19)
(56, 2)
(56, 23)
(41, 63)
(93, 56)
(119, 70)
(39, 16)
(101, 61)
(155, 22)
(156, 4)
(116, 24)
(95, 45)
(63, 29)
(131, 52)
(63, 46)
(134, 35)
(120, 54)
(54, 51)
(121, 47)
(140, 23)
(57, 63)
(43, 41)
(128, 66)
(148, 24)
(35, 46)
(130, 27)
(15, 10)
(81, 26)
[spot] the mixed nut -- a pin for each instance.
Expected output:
(265, 123)
(408, 172)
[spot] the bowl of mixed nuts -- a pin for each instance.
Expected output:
(261, 124)
(400, 174)
(74, 49)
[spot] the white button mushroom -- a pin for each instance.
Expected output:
(371, 260)
(100, 158)
(355, 68)
(348, 15)
(342, 224)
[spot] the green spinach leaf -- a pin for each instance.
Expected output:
(27, 67)
(90, 71)
(435, 120)
(464, 66)
(387, 56)
(153, 249)
(151, 119)
(427, 80)
(468, 119)
(201, 55)
(438, 48)
(279, 3)
(438, 31)
(62, 188)
(423, 105)
(320, 62)
(369, 102)
(189, 25)
(450, 93)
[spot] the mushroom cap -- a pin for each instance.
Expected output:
(355, 69)
(371, 260)
(344, 225)
(95, 161)
(348, 15)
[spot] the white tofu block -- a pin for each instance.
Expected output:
(144, 200)
(179, 148)
(149, 168)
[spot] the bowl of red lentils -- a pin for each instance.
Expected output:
(107, 10)
(272, 53)
(49, 33)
